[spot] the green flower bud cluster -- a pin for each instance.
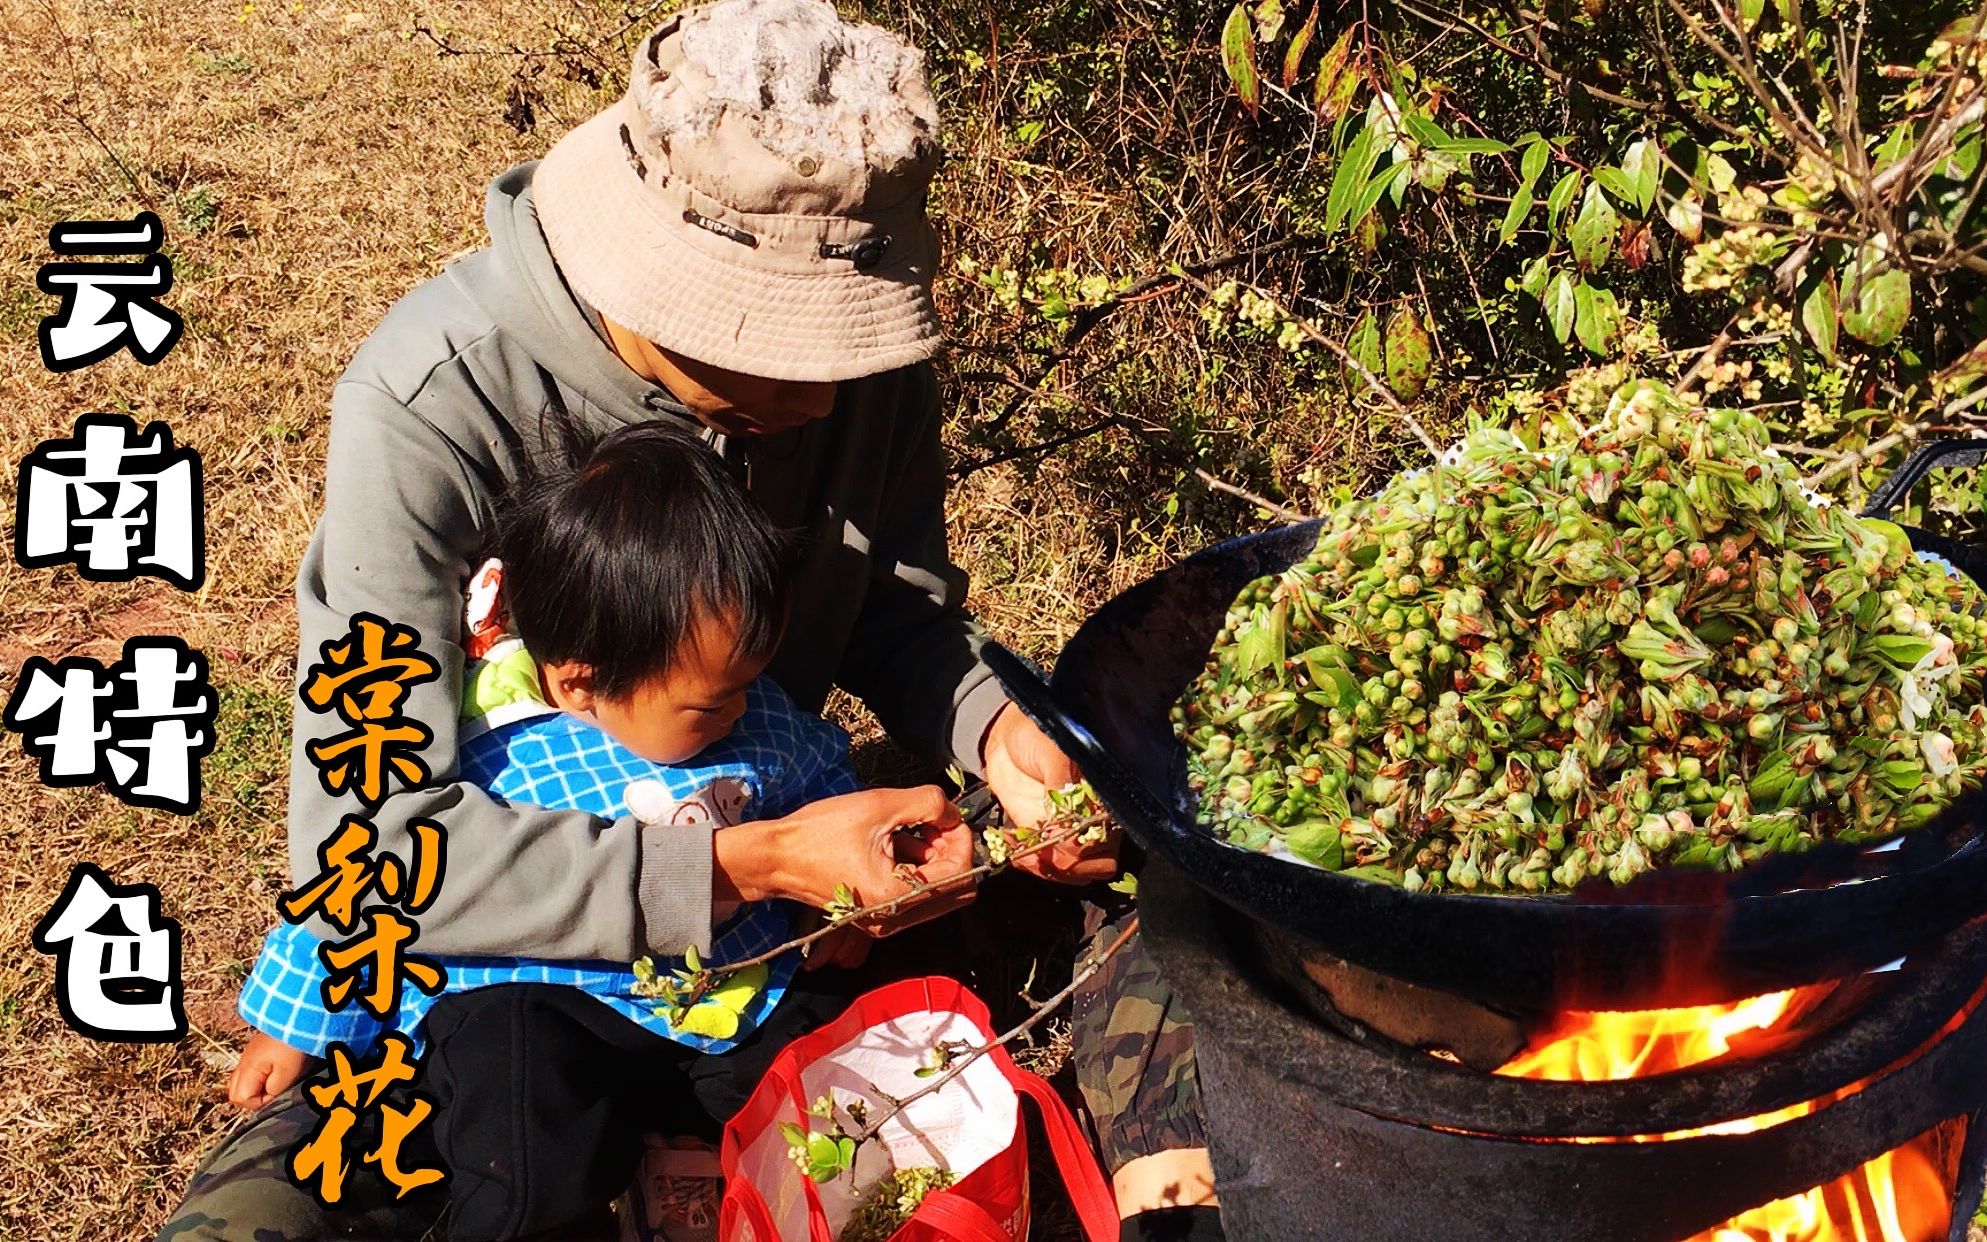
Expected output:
(891, 1202)
(1617, 647)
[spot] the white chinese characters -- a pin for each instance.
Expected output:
(139, 726)
(116, 959)
(107, 306)
(114, 503)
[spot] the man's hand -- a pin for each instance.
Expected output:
(877, 843)
(1022, 766)
(266, 1068)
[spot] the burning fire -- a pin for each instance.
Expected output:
(1898, 1197)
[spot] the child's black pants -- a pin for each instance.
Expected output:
(543, 1094)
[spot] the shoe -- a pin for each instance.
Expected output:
(676, 1193)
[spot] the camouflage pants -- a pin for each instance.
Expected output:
(242, 1192)
(1133, 1046)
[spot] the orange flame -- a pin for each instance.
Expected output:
(1898, 1197)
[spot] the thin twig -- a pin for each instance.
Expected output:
(82, 122)
(1043, 446)
(1317, 335)
(1261, 502)
(1067, 832)
(1709, 358)
(1083, 321)
(959, 1065)
(1556, 76)
(1876, 448)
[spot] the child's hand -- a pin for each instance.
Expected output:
(267, 1066)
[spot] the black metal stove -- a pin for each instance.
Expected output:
(1318, 1134)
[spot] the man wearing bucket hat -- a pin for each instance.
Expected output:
(741, 242)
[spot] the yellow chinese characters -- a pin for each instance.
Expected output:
(364, 678)
(377, 934)
(319, 1163)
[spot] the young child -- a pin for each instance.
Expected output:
(617, 645)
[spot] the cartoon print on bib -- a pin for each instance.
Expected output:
(719, 804)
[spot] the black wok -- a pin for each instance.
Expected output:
(1675, 939)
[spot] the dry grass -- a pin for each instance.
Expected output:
(310, 164)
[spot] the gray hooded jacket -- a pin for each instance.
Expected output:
(441, 405)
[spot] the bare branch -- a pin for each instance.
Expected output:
(1261, 502)
(959, 1064)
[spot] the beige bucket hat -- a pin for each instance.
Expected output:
(756, 200)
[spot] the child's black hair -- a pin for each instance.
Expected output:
(613, 561)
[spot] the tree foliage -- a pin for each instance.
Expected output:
(1491, 210)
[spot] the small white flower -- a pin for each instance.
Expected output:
(1940, 756)
(1914, 703)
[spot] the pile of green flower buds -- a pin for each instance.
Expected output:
(892, 1201)
(1633, 645)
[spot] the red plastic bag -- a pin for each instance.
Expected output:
(972, 1125)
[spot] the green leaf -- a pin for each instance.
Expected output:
(1719, 172)
(1431, 172)
(1903, 650)
(1341, 97)
(1327, 668)
(1318, 843)
(1423, 129)
(1561, 197)
(1514, 216)
(1644, 165)
(1126, 884)
(1364, 346)
(1259, 645)
(1819, 315)
(795, 1135)
(1593, 230)
(1616, 182)
(1349, 178)
(1534, 278)
(1269, 20)
(1300, 43)
(1770, 781)
(1559, 306)
(1897, 144)
(690, 958)
(1376, 871)
(1369, 198)
(1472, 146)
(1879, 301)
(1238, 58)
(824, 1158)
(710, 1020)
(1409, 354)
(1750, 11)
(1330, 72)
(1717, 631)
(1533, 162)
(1596, 317)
